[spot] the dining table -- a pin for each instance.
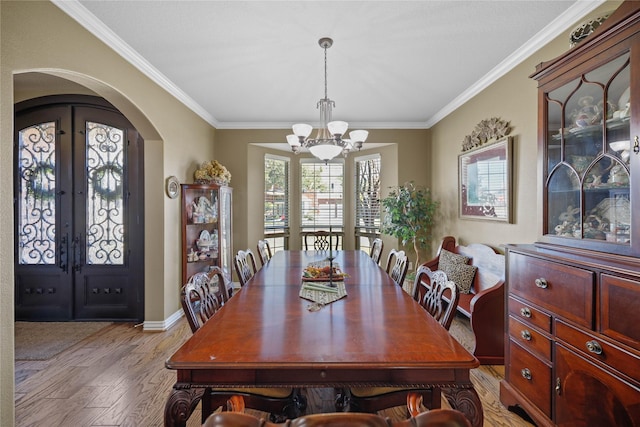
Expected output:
(269, 335)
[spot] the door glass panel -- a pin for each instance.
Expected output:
(564, 203)
(104, 204)
(37, 207)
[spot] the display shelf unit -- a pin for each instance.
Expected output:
(206, 228)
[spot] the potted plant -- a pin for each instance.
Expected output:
(409, 214)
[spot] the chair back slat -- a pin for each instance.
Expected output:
(376, 250)
(245, 263)
(430, 289)
(397, 266)
(203, 295)
(264, 251)
(322, 240)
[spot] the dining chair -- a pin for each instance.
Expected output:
(437, 294)
(431, 290)
(200, 302)
(245, 263)
(433, 418)
(376, 250)
(322, 240)
(201, 297)
(397, 266)
(264, 251)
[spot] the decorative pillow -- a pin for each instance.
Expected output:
(456, 268)
(462, 275)
(447, 258)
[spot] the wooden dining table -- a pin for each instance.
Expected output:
(266, 335)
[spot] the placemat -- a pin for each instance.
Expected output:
(321, 292)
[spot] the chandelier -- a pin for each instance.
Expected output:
(329, 141)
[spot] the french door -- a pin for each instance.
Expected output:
(78, 214)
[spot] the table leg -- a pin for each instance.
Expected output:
(467, 401)
(180, 405)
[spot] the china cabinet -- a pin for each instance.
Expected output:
(206, 228)
(572, 342)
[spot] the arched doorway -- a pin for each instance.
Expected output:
(79, 227)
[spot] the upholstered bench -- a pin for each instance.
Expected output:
(484, 302)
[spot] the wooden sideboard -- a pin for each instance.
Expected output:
(573, 341)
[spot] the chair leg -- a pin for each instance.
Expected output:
(295, 409)
(343, 399)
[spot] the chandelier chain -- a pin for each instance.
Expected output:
(325, 72)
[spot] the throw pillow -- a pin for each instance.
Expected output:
(456, 268)
(447, 258)
(462, 275)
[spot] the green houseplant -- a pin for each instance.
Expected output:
(409, 214)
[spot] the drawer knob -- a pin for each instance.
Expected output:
(526, 374)
(526, 335)
(594, 347)
(525, 312)
(542, 283)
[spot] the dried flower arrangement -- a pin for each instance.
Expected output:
(212, 172)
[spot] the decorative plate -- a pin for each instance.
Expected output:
(173, 187)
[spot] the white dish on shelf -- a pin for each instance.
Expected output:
(622, 147)
(624, 98)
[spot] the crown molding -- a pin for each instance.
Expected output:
(554, 29)
(91, 23)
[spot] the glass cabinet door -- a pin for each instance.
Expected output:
(587, 156)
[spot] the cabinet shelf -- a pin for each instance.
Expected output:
(206, 228)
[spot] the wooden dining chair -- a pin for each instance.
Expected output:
(200, 302)
(264, 251)
(322, 240)
(434, 418)
(376, 250)
(437, 294)
(432, 290)
(397, 266)
(202, 296)
(245, 263)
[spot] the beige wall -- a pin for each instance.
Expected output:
(176, 139)
(405, 158)
(513, 98)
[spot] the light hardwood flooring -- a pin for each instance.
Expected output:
(117, 378)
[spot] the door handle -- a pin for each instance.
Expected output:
(77, 266)
(63, 249)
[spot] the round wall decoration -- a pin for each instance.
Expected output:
(173, 187)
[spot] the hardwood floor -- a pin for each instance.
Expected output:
(118, 378)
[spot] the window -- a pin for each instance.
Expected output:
(276, 202)
(367, 201)
(321, 196)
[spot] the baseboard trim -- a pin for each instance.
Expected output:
(161, 326)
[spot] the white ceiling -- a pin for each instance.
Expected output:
(394, 64)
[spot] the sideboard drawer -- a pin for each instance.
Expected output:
(526, 313)
(623, 361)
(529, 338)
(530, 376)
(620, 315)
(567, 291)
